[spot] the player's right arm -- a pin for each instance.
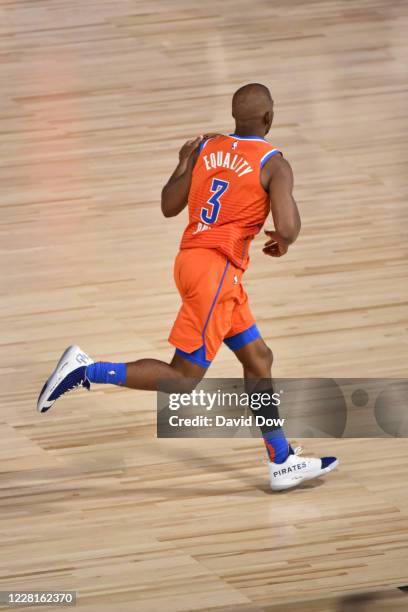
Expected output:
(175, 192)
(278, 181)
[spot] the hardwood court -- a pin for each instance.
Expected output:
(97, 98)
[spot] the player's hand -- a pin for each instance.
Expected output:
(189, 147)
(275, 246)
(212, 135)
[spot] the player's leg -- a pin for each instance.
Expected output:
(202, 279)
(145, 373)
(286, 468)
(244, 339)
(75, 369)
(256, 359)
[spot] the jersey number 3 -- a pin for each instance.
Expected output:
(209, 214)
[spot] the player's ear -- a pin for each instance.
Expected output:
(267, 119)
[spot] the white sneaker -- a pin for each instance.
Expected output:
(69, 374)
(296, 469)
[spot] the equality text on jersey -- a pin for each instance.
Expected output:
(222, 159)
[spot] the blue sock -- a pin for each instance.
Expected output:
(106, 373)
(274, 438)
(277, 445)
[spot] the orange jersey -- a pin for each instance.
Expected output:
(227, 204)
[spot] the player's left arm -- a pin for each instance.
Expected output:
(174, 194)
(277, 178)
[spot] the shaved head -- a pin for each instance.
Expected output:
(252, 107)
(251, 102)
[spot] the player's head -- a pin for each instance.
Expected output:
(252, 108)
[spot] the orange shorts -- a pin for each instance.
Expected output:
(214, 307)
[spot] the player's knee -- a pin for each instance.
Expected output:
(188, 383)
(187, 375)
(268, 356)
(265, 360)
(181, 384)
(261, 362)
(265, 356)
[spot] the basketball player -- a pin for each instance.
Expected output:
(230, 184)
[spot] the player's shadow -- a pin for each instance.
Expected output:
(247, 481)
(192, 463)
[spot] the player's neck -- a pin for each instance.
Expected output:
(249, 130)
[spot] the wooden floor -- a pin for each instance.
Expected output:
(97, 97)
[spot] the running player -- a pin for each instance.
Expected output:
(231, 183)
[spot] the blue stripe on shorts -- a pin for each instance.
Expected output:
(243, 338)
